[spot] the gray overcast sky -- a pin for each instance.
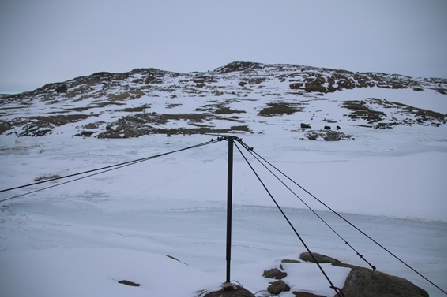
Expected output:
(49, 41)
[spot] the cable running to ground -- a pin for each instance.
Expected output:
(331, 285)
(345, 220)
(96, 171)
(250, 150)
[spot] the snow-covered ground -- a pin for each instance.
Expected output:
(81, 238)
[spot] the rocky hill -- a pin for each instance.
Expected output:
(243, 97)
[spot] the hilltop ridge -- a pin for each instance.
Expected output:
(238, 97)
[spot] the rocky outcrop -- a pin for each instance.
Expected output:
(237, 66)
(365, 282)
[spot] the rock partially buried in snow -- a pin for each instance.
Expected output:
(237, 291)
(306, 256)
(274, 273)
(297, 274)
(277, 287)
(369, 283)
(129, 283)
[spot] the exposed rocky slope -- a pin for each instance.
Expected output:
(238, 97)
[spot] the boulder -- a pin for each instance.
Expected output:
(277, 287)
(371, 283)
(274, 273)
(320, 259)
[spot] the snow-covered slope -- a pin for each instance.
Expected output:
(381, 164)
(238, 97)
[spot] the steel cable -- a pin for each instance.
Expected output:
(250, 150)
(95, 171)
(331, 285)
(344, 219)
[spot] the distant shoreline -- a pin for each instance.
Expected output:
(10, 92)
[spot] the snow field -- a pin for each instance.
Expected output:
(81, 238)
(176, 205)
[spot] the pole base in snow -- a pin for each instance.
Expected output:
(228, 286)
(229, 289)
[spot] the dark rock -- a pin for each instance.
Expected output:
(345, 83)
(338, 127)
(174, 258)
(296, 86)
(305, 294)
(128, 283)
(314, 87)
(335, 136)
(441, 90)
(238, 66)
(5, 126)
(305, 126)
(382, 125)
(62, 88)
(289, 261)
(237, 292)
(280, 108)
(305, 256)
(312, 135)
(85, 133)
(274, 273)
(361, 282)
(361, 110)
(277, 287)
(327, 127)
(369, 283)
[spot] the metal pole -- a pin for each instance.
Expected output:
(229, 204)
